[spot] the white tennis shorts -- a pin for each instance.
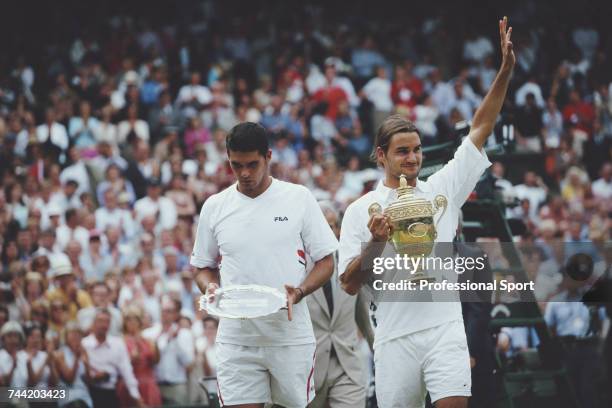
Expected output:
(281, 375)
(435, 360)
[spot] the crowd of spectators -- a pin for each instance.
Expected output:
(113, 140)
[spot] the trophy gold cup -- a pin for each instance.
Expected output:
(412, 219)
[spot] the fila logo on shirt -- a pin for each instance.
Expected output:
(280, 219)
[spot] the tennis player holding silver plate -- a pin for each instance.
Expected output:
(254, 239)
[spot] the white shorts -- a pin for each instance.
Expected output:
(435, 360)
(281, 375)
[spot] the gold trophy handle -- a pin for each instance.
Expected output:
(440, 202)
(374, 208)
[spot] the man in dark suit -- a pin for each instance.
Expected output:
(476, 307)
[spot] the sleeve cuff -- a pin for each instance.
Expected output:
(317, 256)
(202, 262)
(476, 154)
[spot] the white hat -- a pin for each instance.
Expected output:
(54, 209)
(60, 265)
(173, 285)
(12, 327)
(170, 250)
(131, 77)
(548, 225)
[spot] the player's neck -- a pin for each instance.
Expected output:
(257, 191)
(393, 182)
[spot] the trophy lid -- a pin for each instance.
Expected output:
(407, 204)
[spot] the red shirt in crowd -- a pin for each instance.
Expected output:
(333, 95)
(406, 92)
(581, 113)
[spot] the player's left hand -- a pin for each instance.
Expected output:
(505, 32)
(294, 295)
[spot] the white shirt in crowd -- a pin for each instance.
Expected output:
(443, 96)
(163, 205)
(201, 93)
(141, 129)
(106, 132)
(602, 189)
(112, 357)
(59, 135)
(455, 181)
(535, 194)
(77, 390)
(64, 202)
(39, 360)
(520, 97)
(21, 144)
(378, 91)
(152, 307)
(323, 129)
(477, 49)
(78, 173)
(86, 317)
(425, 120)
(117, 217)
(553, 123)
(20, 375)
(348, 88)
(214, 155)
(175, 353)
(64, 234)
(286, 156)
(263, 241)
(6, 364)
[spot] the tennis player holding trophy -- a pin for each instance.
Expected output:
(253, 239)
(419, 347)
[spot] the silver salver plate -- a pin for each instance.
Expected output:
(244, 301)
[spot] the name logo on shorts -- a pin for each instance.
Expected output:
(280, 219)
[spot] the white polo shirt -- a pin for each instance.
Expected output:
(455, 181)
(263, 241)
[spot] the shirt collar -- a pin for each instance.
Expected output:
(96, 343)
(390, 194)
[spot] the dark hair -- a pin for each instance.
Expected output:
(102, 310)
(392, 125)
(99, 283)
(70, 213)
(248, 137)
(30, 327)
(211, 319)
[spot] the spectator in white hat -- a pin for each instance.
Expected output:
(66, 288)
(13, 338)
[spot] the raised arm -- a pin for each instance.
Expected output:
(486, 114)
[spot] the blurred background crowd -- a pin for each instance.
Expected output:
(113, 120)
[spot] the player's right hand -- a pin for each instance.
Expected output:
(380, 227)
(210, 291)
